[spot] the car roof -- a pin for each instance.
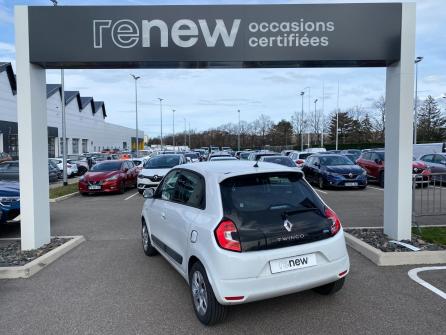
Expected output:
(220, 170)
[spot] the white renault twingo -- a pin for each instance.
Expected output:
(241, 231)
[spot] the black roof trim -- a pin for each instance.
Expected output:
(70, 95)
(11, 77)
(87, 100)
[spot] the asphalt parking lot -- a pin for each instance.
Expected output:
(108, 286)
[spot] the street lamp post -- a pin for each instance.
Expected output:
(185, 133)
(315, 118)
(173, 128)
(301, 123)
(189, 135)
(238, 137)
(136, 112)
(64, 122)
(415, 121)
(337, 119)
(322, 114)
(161, 117)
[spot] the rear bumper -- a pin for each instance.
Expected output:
(248, 274)
(274, 285)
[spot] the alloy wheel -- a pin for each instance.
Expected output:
(199, 293)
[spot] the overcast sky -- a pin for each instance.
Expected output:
(209, 98)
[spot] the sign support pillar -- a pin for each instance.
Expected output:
(399, 130)
(33, 141)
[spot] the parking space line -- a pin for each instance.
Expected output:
(375, 188)
(413, 274)
(321, 191)
(131, 196)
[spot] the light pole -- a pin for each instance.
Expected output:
(315, 118)
(415, 121)
(161, 117)
(64, 122)
(189, 135)
(301, 123)
(136, 112)
(185, 133)
(173, 128)
(322, 114)
(238, 137)
(337, 119)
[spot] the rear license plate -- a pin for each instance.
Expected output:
(292, 263)
(94, 187)
(351, 184)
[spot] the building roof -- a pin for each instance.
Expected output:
(97, 107)
(52, 88)
(87, 100)
(5, 66)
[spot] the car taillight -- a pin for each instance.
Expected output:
(299, 161)
(227, 236)
(336, 223)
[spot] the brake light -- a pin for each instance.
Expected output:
(336, 223)
(227, 236)
(300, 161)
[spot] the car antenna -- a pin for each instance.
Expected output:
(256, 165)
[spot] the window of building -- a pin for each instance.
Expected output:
(124, 145)
(13, 146)
(51, 147)
(84, 146)
(75, 145)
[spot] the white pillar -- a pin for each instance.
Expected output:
(33, 140)
(399, 130)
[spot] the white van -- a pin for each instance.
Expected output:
(428, 148)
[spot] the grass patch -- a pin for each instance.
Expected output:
(435, 235)
(63, 190)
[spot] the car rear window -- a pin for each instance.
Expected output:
(251, 199)
(282, 160)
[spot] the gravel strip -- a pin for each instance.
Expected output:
(376, 238)
(11, 255)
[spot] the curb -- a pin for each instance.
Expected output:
(31, 268)
(66, 196)
(381, 258)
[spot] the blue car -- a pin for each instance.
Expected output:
(333, 170)
(9, 200)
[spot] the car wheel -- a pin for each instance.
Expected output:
(122, 187)
(320, 182)
(381, 179)
(147, 246)
(84, 194)
(330, 288)
(141, 191)
(207, 309)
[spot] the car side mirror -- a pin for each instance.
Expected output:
(149, 193)
(317, 165)
(188, 159)
(126, 169)
(377, 161)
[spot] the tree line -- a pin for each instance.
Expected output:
(356, 125)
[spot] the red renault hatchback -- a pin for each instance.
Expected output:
(109, 176)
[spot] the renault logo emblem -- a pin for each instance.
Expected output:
(288, 225)
(350, 175)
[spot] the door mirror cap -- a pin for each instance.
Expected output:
(378, 161)
(126, 169)
(148, 193)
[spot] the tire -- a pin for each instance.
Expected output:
(381, 179)
(201, 291)
(84, 194)
(122, 187)
(320, 182)
(330, 288)
(147, 246)
(141, 191)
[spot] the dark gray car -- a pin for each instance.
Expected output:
(437, 164)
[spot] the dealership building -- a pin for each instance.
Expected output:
(86, 129)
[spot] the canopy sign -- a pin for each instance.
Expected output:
(215, 36)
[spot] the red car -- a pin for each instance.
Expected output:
(373, 162)
(109, 176)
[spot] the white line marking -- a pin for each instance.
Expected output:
(321, 191)
(131, 196)
(375, 188)
(413, 274)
